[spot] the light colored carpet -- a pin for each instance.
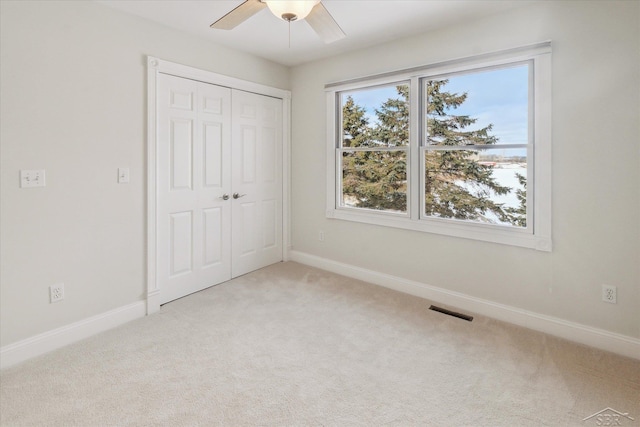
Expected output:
(291, 345)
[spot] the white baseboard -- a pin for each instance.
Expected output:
(43, 343)
(587, 335)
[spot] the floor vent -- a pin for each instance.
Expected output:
(451, 313)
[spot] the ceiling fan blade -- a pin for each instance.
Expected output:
(323, 23)
(238, 15)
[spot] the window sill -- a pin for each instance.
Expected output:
(474, 231)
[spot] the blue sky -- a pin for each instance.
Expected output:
(498, 96)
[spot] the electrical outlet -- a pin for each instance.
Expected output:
(321, 236)
(56, 292)
(609, 294)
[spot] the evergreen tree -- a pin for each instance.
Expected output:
(518, 216)
(456, 184)
(375, 179)
(355, 126)
(356, 133)
(392, 129)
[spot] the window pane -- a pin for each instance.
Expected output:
(488, 186)
(375, 180)
(375, 117)
(479, 108)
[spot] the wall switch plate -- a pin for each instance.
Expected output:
(56, 292)
(32, 178)
(123, 175)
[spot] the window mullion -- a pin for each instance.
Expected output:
(414, 169)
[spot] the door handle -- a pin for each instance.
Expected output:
(237, 196)
(224, 197)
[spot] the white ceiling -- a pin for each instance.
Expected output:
(366, 23)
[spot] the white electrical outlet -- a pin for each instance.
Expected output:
(321, 236)
(56, 292)
(609, 294)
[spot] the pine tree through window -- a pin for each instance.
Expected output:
(375, 139)
(475, 146)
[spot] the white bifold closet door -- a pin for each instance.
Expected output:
(256, 159)
(219, 185)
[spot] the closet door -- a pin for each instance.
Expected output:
(257, 181)
(193, 186)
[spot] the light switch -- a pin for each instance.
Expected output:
(123, 175)
(32, 178)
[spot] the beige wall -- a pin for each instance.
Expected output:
(73, 78)
(596, 168)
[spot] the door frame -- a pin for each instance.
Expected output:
(156, 66)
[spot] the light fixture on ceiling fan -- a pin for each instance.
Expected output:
(291, 10)
(312, 11)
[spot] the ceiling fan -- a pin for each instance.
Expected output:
(313, 11)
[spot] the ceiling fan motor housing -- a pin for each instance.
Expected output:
(289, 17)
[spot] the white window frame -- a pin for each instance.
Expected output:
(537, 234)
(340, 150)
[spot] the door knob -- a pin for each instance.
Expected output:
(224, 197)
(237, 196)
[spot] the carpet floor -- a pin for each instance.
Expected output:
(291, 345)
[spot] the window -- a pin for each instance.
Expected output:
(475, 144)
(460, 148)
(374, 147)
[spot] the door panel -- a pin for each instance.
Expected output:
(180, 243)
(269, 155)
(181, 98)
(213, 228)
(248, 155)
(181, 149)
(245, 213)
(269, 223)
(257, 180)
(212, 155)
(194, 171)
